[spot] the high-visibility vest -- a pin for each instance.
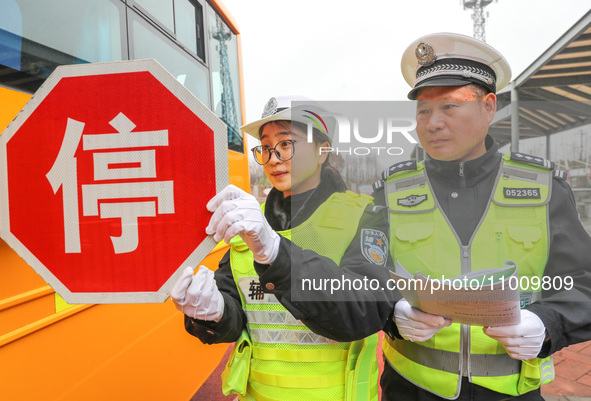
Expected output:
(514, 227)
(289, 361)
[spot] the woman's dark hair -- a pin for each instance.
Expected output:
(329, 171)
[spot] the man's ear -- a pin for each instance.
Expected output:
(490, 104)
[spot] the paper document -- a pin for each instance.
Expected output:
(486, 297)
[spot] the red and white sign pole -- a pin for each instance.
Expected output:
(104, 178)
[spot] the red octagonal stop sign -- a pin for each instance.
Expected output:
(104, 178)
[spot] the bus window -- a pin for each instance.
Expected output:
(181, 19)
(161, 10)
(11, 30)
(225, 80)
(189, 26)
(188, 37)
(189, 72)
(82, 31)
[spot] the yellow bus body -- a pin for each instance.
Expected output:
(50, 350)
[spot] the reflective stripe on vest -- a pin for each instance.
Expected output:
(305, 355)
(480, 364)
(270, 336)
(547, 369)
(299, 381)
(289, 361)
(272, 317)
(422, 239)
(253, 395)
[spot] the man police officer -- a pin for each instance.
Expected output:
(471, 219)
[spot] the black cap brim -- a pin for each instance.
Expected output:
(441, 81)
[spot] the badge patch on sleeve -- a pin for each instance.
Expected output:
(374, 246)
(522, 193)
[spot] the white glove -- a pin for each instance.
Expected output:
(197, 296)
(238, 213)
(416, 325)
(521, 341)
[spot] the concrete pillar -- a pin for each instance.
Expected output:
(514, 119)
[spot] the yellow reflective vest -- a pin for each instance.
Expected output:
(514, 227)
(289, 361)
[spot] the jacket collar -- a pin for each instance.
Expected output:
(468, 173)
(285, 213)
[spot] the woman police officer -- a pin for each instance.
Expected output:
(284, 359)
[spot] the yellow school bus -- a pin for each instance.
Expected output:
(50, 350)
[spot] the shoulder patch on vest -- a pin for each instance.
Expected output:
(395, 168)
(559, 174)
(538, 161)
(402, 166)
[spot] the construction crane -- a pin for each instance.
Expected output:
(477, 7)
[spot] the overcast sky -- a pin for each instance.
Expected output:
(351, 50)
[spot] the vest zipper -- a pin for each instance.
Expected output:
(465, 337)
(465, 344)
(466, 265)
(465, 329)
(465, 260)
(499, 236)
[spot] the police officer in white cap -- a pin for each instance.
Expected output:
(475, 220)
(307, 207)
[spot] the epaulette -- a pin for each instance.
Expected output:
(559, 174)
(395, 168)
(377, 185)
(538, 161)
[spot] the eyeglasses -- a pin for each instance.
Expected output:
(284, 150)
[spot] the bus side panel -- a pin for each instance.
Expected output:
(11, 102)
(97, 352)
(239, 173)
(52, 350)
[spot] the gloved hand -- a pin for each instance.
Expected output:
(197, 296)
(236, 212)
(521, 341)
(416, 325)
